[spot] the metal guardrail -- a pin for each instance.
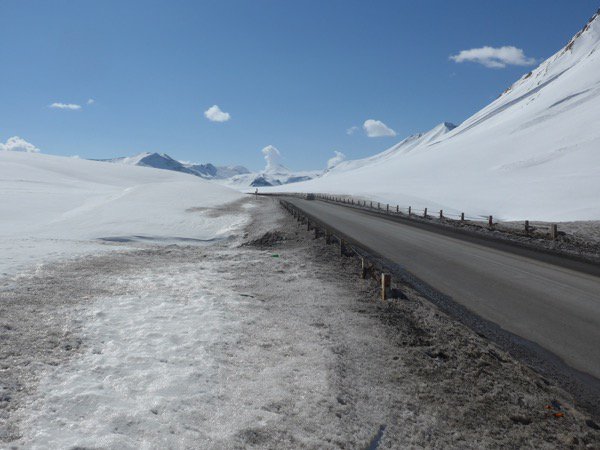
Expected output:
(519, 228)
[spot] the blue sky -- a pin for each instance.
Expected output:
(296, 75)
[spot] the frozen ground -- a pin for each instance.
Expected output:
(273, 344)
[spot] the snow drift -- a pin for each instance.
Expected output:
(533, 153)
(49, 202)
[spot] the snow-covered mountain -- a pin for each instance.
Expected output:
(274, 173)
(164, 161)
(236, 177)
(533, 153)
(403, 147)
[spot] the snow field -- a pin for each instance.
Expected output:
(55, 207)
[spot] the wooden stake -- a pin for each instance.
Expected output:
(441, 214)
(462, 217)
(386, 282)
(491, 221)
(425, 213)
(409, 211)
(363, 268)
(387, 208)
(527, 226)
(553, 231)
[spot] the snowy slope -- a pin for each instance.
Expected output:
(50, 203)
(534, 153)
(403, 147)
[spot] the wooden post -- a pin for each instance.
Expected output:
(397, 209)
(409, 211)
(462, 217)
(387, 208)
(378, 205)
(371, 204)
(553, 231)
(386, 282)
(425, 213)
(363, 268)
(527, 226)
(491, 221)
(441, 214)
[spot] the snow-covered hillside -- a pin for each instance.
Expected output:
(164, 161)
(54, 206)
(534, 153)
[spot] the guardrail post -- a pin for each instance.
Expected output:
(342, 247)
(553, 231)
(462, 217)
(425, 213)
(363, 268)
(386, 282)
(490, 221)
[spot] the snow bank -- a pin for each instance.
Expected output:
(52, 206)
(531, 154)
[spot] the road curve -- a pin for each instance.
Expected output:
(552, 306)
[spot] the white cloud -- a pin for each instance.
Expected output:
(338, 158)
(68, 106)
(272, 157)
(214, 114)
(376, 128)
(494, 58)
(351, 130)
(16, 144)
(90, 101)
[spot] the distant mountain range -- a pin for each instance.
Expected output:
(164, 161)
(237, 177)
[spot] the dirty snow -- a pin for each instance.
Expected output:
(273, 344)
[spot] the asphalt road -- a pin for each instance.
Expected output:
(555, 307)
